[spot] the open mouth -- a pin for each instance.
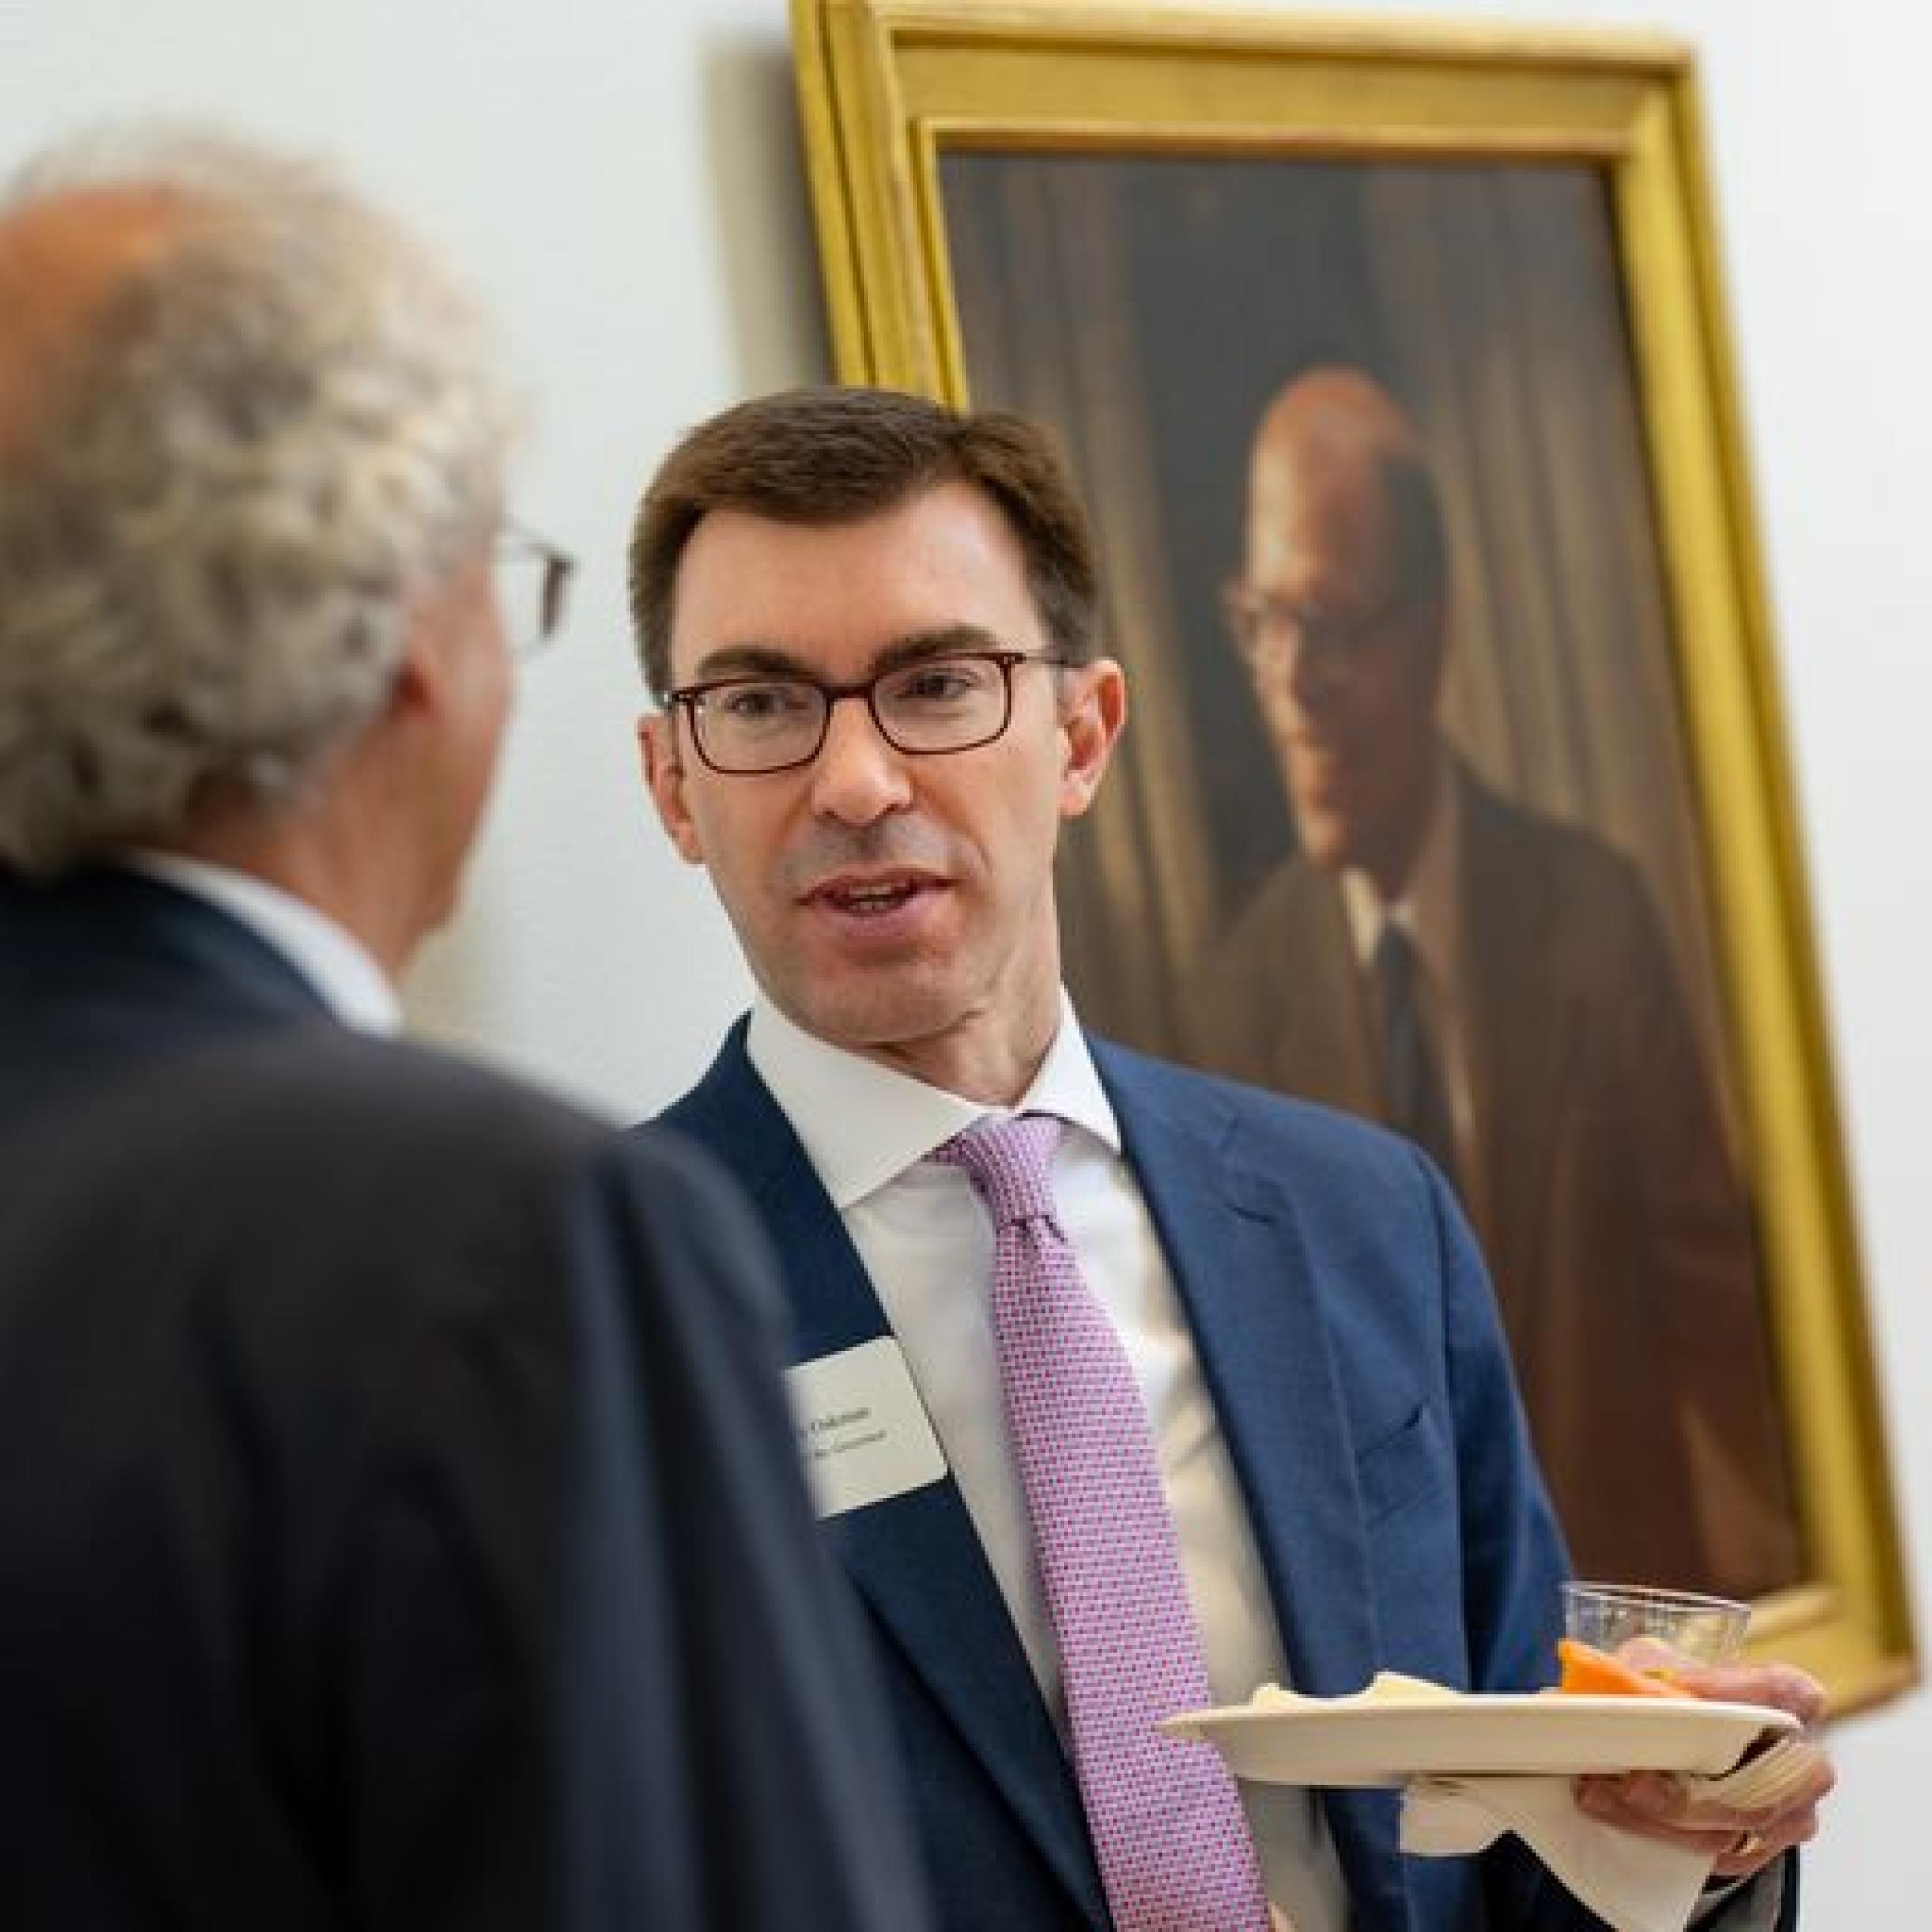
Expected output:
(871, 898)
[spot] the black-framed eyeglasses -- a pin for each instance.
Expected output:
(775, 720)
(532, 587)
(1262, 622)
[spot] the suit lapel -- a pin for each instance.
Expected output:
(1325, 1048)
(1255, 1302)
(916, 1559)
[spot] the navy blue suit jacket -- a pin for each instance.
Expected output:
(1350, 1341)
(399, 1521)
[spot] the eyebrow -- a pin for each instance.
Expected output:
(767, 660)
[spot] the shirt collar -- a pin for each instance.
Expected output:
(1427, 908)
(863, 1124)
(334, 962)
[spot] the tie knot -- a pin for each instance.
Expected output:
(1009, 1163)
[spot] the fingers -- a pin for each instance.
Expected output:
(1737, 1848)
(1741, 1841)
(1657, 1805)
(1781, 1686)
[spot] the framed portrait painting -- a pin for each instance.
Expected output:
(1391, 364)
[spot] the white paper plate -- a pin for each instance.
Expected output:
(1319, 1741)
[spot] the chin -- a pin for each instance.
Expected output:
(1324, 844)
(873, 1016)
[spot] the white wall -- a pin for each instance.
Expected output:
(622, 177)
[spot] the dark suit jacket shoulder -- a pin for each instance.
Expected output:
(397, 1504)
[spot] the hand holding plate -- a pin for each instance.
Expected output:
(1768, 1806)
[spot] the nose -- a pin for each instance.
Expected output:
(1311, 673)
(858, 777)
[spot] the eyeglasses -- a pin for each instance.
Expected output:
(532, 587)
(775, 722)
(1262, 622)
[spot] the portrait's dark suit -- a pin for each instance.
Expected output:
(399, 1521)
(1349, 1341)
(1602, 1189)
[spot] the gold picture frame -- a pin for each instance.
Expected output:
(941, 137)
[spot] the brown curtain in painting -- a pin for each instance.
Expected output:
(1049, 334)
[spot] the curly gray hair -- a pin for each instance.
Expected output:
(274, 437)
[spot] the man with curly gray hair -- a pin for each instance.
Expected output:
(399, 1520)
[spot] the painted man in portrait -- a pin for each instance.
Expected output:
(1497, 985)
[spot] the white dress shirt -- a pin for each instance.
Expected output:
(928, 1245)
(337, 964)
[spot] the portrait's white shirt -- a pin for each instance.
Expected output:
(1430, 913)
(337, 964)
(928, 1245)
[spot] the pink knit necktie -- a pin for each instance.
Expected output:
(1167, 1824)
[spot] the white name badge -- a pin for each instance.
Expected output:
(863, 1431)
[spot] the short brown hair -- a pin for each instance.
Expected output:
(831, 455)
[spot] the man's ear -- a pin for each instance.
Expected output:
(417, 685)
(664, 778)
(439, 641)
(409, 724)
(1094, 714)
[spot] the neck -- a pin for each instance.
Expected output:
(1390, 866)
(318, 857)
(996, 1074)
(991, 1054)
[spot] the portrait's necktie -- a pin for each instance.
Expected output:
(1412, 1087)
(1167, 1824)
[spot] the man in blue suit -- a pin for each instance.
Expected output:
(870, 622)
(401, 1527)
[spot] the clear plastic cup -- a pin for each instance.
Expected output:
(1709, 1630)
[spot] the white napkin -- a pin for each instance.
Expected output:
(1634, 1884)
